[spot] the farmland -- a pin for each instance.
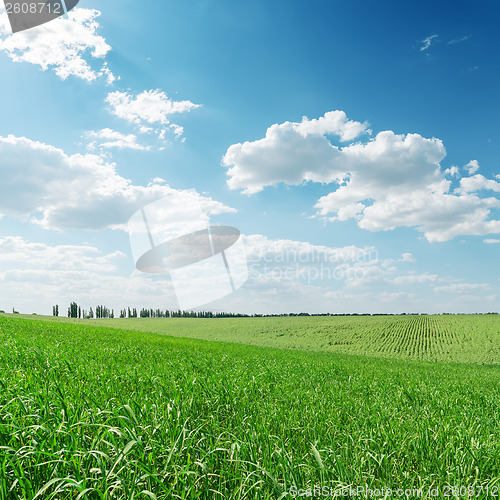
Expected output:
(460, 338)
(88, 411)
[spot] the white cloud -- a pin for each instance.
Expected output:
(64, 273)
(151, 107)
(261, 248)
(415, 279)
(287, 155)
(390, 181)
(459, 40)
(452, 171)
(407, 257)
(491, 241)
(459, 288)
(75, 258)
(333, 122)
(284, 276)
(472, 167)
(80, 191)
(476, 183)
(291, 153)
(67, 46)
(427, 42)
(177, 130)
(287, 275)
(440, 216)
(61, 274)
(279, 261)
(111, 139)
(395, 297)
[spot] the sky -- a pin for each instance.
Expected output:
(354, 145)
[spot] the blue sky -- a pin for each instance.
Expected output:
(311, 127)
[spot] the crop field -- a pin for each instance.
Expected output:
(93, 412)
(461, 338)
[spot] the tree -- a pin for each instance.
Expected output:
(73, 310)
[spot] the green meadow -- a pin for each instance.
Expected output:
(257, 408)
(454, 338)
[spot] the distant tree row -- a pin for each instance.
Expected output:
(75, 311)
(104, 312)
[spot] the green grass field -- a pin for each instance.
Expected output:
(94, 412)
(461, 338)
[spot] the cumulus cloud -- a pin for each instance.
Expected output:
(111, 139)
(292, 153)
(472, 167)
(70, 46)
(61, 191)
(452, 171)
(439, 215)
(392, 180)
(151, 107)
(477, 183)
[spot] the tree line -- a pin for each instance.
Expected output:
(76, 311)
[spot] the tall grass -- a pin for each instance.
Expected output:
(88, 412)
